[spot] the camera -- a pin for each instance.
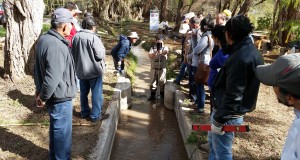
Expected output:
(159, 46)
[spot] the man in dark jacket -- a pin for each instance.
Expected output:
(235, 89)
(54, 78)
(89, 57)
(120, 51)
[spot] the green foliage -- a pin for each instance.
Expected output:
(192, 138)
(264, 23)
(197, 137)
(2, 31)
(170, 70)
(294, 29)
(130, 71)
(149, 42)
(46, 27)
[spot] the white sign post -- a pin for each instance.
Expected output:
(154, 20)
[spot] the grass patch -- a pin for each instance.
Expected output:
(2, 31)
(197, 138)
(46, 27)
(132, 64)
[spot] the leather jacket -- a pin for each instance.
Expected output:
(235, 89)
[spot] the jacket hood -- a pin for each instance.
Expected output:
(122, 37)
(230, 49)
(54, 33)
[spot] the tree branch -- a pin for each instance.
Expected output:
(262, 1)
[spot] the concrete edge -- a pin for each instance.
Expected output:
(108, 128)
(185, 125)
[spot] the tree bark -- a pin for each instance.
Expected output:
(164, 11)
(245, 7)
(178, 18)
(23, 28)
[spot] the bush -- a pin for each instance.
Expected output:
(132, 64)
(46, 27)
(264, 23)
(2, 31)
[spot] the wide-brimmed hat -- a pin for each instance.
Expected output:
(284, 73)
(189, 15)
(77, 9)
(133, 35)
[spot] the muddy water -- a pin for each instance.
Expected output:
(148, 131)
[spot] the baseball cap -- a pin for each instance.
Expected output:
(227, 12)
(62, 15)
(284, 73)
(195, 20)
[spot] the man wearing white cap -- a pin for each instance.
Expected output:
(120, 51)
(73, 8)
(284, 76)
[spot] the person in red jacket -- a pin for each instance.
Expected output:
(73, 8)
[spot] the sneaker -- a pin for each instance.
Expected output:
(101, 118)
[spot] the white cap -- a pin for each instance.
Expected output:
(77, 9)
(184, 28)
(190, 15)
(133, 35)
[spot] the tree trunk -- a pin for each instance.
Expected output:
(24, 24)
(245, 7)
(164, 11)
(119, 9)
(178, 18)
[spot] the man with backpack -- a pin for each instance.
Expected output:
(120, 51)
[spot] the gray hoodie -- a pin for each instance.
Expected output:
(54, 74)
(89, 54)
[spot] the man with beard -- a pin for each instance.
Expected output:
(284, 76)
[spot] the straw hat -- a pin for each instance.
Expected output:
(133, 35)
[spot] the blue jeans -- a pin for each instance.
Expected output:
(200, 92)
(118, 63)
(95, 85)
(60, 130)
(192, 84)
(221, 145)
(181, 72)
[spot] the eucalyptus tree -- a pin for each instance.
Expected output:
(23, 28)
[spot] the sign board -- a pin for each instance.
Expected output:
(154, 20)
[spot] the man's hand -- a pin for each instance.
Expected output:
(39, 102)
(216, 128)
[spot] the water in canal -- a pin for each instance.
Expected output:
(148, 131)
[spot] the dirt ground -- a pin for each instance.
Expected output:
(24, 128)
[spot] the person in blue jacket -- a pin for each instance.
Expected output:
(220, 57)
(120, 51)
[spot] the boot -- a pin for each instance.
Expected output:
(152, 97)
(162, 95)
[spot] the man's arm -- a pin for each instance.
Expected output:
(201, 45)
(98, 48)
(54, 69)
(236, 82)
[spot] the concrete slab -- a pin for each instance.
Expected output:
(121, 98)
(169, 94)
(185, 125)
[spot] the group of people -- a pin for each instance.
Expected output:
(69, 53)
(236, 70)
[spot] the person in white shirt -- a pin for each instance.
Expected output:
(158, 57)
(284, 76)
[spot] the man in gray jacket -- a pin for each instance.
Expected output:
(89, 57)
(54, 78)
